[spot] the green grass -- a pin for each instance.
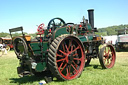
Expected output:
(92, 75)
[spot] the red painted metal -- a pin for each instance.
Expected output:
(109, 56)
(40, 30)
(70, 58)
(9, 43)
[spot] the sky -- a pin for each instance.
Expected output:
(30, 13)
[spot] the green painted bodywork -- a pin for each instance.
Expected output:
(82, 38)
(89, 27)
(85, 38)
(40, 66)
(60, 31)
(45, 33)
(36, 47)
(90, 37)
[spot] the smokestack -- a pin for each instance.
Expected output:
(91, 17)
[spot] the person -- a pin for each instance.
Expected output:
(4, 45)
(1, 46)
(2, 49)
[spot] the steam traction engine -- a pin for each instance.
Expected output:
(62, 50)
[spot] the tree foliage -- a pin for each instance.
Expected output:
(110, 30)
(4, 34)
(101, 31)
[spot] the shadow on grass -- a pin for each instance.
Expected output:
(31, 79)
(26, 79)
(94, 66)
(47, 76)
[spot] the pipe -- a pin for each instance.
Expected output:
(91, 17)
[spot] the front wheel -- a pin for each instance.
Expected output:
(107, 56)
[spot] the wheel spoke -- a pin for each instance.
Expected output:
(107, 56)
(59, 55)
(74, 68)
(63, 47)
(67, 73)
(107, 61)
(70, 42)
(77, 59)
(108, 50)
(60, 60)
(76, 48)
(71, 48)
(66, 48)
(75, 54)
(69, 69)
(75, 64)
(63, 67)
(62, 52)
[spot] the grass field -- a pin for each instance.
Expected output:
(92, 75)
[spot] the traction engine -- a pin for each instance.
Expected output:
(62, 50)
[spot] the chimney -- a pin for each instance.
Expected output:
(91, 17)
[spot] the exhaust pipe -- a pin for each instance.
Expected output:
(91, 17)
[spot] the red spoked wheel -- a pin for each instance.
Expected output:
(66, 57)
(107, 56)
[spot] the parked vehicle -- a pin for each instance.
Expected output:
(62, 50)
(122, 39)
(7, 43)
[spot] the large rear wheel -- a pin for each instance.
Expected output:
(107, 56)
(66, 57)
(20, 47)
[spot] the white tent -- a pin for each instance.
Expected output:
(112, 39)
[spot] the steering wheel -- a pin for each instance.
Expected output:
(53, 24)
(40, 28)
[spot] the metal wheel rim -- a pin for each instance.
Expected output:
(69, 67)
(17, 51)
(109, 56)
